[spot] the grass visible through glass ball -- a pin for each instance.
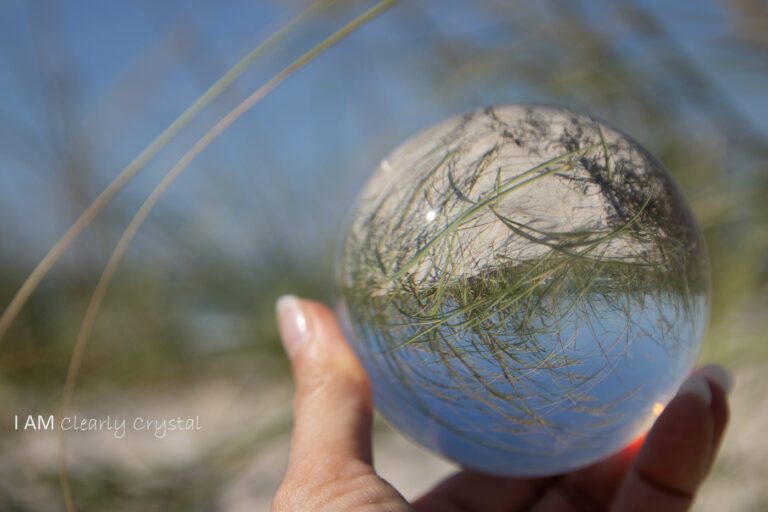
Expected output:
(526, 288)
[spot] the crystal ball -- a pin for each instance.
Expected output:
(526, 288)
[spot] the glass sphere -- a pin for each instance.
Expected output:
(526, 288)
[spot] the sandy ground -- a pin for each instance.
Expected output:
(737, 483)
(260, 411)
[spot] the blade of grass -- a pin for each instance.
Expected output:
(512, 185)
(126, 175)
(102, 286)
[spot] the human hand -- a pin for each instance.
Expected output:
(331, 468)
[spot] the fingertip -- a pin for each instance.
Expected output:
(717, 375)
(675, 456)
(720, 410)
(720, 416)
(327, 323)
(330, 343)
(696, 386)
(305, 323)
(332, 402)
(720, 382)
(678, 449)
(292, 324)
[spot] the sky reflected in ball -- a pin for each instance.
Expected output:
(526, 288)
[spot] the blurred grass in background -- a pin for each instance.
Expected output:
(83, 88)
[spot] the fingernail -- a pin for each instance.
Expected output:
(717, 375)
(292, 322)
(696, 385)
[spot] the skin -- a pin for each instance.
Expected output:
(331, 466)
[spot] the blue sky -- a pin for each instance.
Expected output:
(290, 167)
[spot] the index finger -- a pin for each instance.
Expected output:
(678, 451)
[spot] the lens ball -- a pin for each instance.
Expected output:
(526, 288)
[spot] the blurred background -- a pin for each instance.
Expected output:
(187, 328)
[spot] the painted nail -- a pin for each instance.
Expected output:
(292, 322)
(696, 385)
(717, 375)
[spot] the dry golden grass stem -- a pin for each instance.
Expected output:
(105, 280)
(126, 175)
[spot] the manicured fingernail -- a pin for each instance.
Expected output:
(717, 375)
(292, 322)
(696, 385)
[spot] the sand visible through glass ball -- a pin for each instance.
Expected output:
(526, 288)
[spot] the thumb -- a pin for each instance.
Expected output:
(332, 405)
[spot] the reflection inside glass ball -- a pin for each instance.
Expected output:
(526, 288)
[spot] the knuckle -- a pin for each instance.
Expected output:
(317, 482)
(282, 499)
(321, 469)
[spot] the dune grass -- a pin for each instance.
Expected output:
(433, 296)
(157, 193)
